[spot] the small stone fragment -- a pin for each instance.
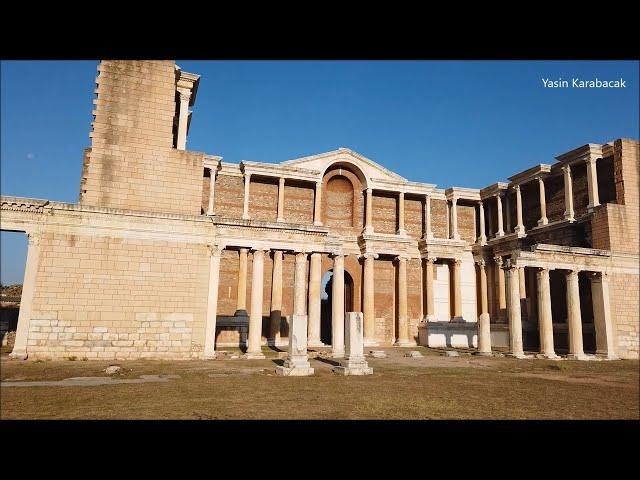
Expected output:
(413, 354)
(112, 369)
(378, 354)
(451, 353)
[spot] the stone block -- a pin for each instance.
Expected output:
(354, 362)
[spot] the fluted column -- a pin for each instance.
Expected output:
(212, 302)
(500, 286)
(26, 300)
(592, 183)
(484, 321)
(428, 289)
(337, 307)
(254, 349)
(275, 318)
(241, 305)
(500, 232)
(520, 225)
(183, 118)
(574, 317)
(454, 219)
(514, 312)
(602, 320)
(482, 238)
(317, 205)
(314, 305)
(427, 234)
(568, 194)
(368, 304)
(545, 321)
(280, 217)
(543, 203)
(401, 230)
(245, 205)
(368, 223)
(403, 320)
(456, 266)
(212, 188)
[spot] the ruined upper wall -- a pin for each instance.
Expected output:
(132, 163)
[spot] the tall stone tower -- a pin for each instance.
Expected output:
(137, 159)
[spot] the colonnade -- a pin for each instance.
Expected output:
(510, 287)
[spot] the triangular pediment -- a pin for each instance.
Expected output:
(322, 161)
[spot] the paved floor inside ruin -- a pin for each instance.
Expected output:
(431, 387)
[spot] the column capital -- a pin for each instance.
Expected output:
(498, 195)
(481, 263)
(591, 160)
(281, 180)
(516, 187)
(510, 265)
(247, 175)
(431, 259)
(498, 260)
(402, 256)
(244, 250)
(301, 256)
(598, 276)
(540, 179)
(480, 203)
(336, 254)
(543, 269)
(215, 249)
(185, 94)
(369, 255)
(454, 199)
(457, 261)
(573, 273)
(566, 169)
(368, 190)
(260, 249)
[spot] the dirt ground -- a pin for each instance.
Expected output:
(431, 387)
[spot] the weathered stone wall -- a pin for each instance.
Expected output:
(466, 222)
(439, 221)
(298, 202)
(263, 199)
(414, 216)
(385, 212)
(103, 297)
(385, 286)
(625, 299)
(132, 163)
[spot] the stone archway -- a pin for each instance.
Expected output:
(326, 302)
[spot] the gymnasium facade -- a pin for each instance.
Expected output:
(172, 253)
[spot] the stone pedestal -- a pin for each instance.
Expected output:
(297, 363)
(355, 362)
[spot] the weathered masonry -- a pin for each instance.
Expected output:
(171, 253)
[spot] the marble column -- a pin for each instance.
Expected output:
(245, 205)
(212, 302)
(545, 320)
(427, 234)
(500, 286)
(241, 305)
(300, 278)
(500, 232)
(428, 289)
(26, 301)
(401, 230)
(456, 266)
(337, 307)
(602, 320)
(183, 118)
(484, 321)
(520, 225)
(212, 188)
(482, 238)
(314, 305)
(317, 206)
(368, 223)
(254, 349)
(543, 203)
(368, 304)
(276, 299)
(514, 312)
(354, 363)
(403, 319)
(281, 183)
(574, 317)
(592, 183)
(454, 219)
(568, 194)
(523, 292)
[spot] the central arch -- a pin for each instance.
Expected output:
(326, 305)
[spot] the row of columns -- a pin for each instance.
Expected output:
(312, 306)
(512, 301)
(569, 212)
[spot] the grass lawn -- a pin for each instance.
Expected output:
(432, 387)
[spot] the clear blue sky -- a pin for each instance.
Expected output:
(456, 123)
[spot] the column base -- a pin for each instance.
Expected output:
(317, 224)
(457, 320)
(336, 354)
(569, 218)
(315, 343)
(246, 217)
(295, 367)
(254, 356)
(519, 355)
(483, 354)
(353, 367)
(519, 231)
(455, 237)
(18, 355)
(543, 221)
(210, 214)
(368, 231)
(402, 232)
(548, 356)
(606, 356)
(210, 356)
(577, 356)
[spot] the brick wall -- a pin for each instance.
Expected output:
(102, 297)
(298, 202)
(385, 275)
(466, 222)
(132, 163)
(263, 199)
(229, 196)
(385, 212)
(413, 216)
(439, 221)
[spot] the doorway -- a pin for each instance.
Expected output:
(326, 305)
